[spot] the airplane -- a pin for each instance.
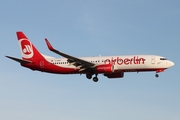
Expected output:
(109, 66)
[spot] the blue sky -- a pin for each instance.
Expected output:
(90, 28)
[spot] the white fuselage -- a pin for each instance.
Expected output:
(130, 62)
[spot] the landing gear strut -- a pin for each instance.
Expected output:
(95, 79)
(156, 75)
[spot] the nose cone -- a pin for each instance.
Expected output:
(170, 63)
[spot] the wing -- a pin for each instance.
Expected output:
(80, 63)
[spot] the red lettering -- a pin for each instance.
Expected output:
(125, 61)
(113, 61)
(119, 61)
(131, 61)
(107, 61)
(134, 59)
(141, 59)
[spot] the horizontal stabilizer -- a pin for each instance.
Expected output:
(19, 60)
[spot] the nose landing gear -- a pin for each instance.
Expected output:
(156, 75)
(158, 71)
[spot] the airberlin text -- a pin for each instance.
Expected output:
(125, 61)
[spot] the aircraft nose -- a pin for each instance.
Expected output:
(170, 63)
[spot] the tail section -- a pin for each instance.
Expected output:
(28, 50)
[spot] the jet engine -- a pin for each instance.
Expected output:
(105, 68)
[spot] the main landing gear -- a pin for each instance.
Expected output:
(95, 79)
(89, 76)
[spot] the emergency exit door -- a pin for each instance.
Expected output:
(153, 60)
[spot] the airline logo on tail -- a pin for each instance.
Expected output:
(26, 48)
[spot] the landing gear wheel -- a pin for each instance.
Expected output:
(157, 75)
(95, 79)
(88, 76)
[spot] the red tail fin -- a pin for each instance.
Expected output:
(28, 50)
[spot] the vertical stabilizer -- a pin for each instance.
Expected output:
(28, 50)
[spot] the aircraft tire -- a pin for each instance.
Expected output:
(88, 76)
(157, 75)
(95, 79)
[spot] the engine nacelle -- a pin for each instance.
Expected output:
(105, 68)
(114, 75)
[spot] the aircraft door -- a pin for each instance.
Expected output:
(153, 60)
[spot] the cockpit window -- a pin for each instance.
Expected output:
(163, 59)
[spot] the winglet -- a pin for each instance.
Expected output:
(49, 45)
